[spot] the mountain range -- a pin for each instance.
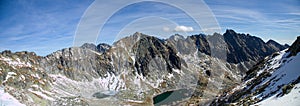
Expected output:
(145, 70)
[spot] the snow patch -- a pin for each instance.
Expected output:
(10, 75)
(15, 63)
(8, 100)
(283, 71)
(287, 72)
(133, 58)
(170, 75)
(178, 71)
(69, 87)
(41, 94)
(95, 52)
(290, 99)
(135, 101)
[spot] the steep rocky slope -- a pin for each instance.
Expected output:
(244, 47)
(274, 80)
(276, 46)
(133, 70)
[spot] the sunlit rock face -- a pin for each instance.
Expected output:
(134, 69)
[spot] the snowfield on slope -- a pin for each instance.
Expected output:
(8, 100)
(285, 74)
(290, 99)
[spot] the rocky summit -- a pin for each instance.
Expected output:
(138, 70)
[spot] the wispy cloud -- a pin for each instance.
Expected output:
(266, 21)
(124, 17)
(294, 13)
(39, 26)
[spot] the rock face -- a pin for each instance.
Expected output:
(295, 48)
(182, 45)
(276, 46)
(148, 48)
(135, 68)
(201, 43)
(244, 47)
(77, 63)
(102, 47)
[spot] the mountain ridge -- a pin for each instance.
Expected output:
(135, 68)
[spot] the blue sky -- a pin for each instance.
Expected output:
(44, 26)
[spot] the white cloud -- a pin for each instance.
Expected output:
(183, 29)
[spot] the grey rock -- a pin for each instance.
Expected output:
(244, 47)
(295, 47)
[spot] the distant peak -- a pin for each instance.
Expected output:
(271, 41)
(230, 31)
(103, 44)
(216, 34)
(103, 47)
(286, 45)
(6, 52)
(137, 33)
(88, 46)
(295, 47)
(177, 34)
(176, 37)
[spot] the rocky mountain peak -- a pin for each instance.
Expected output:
(89, 46)
(128, 41)
(103, 47)
(6, 52)
(150, 48)
(9, 53)
(137, 33)
(244, 47)
(295, 48)
(230, 32)
(275, 45)
(286, 45)
(271, 41)
(201, 43)
(216, 34)
(176, 37)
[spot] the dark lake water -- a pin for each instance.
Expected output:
(100, 95)
(103, 94)
(171, 96)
